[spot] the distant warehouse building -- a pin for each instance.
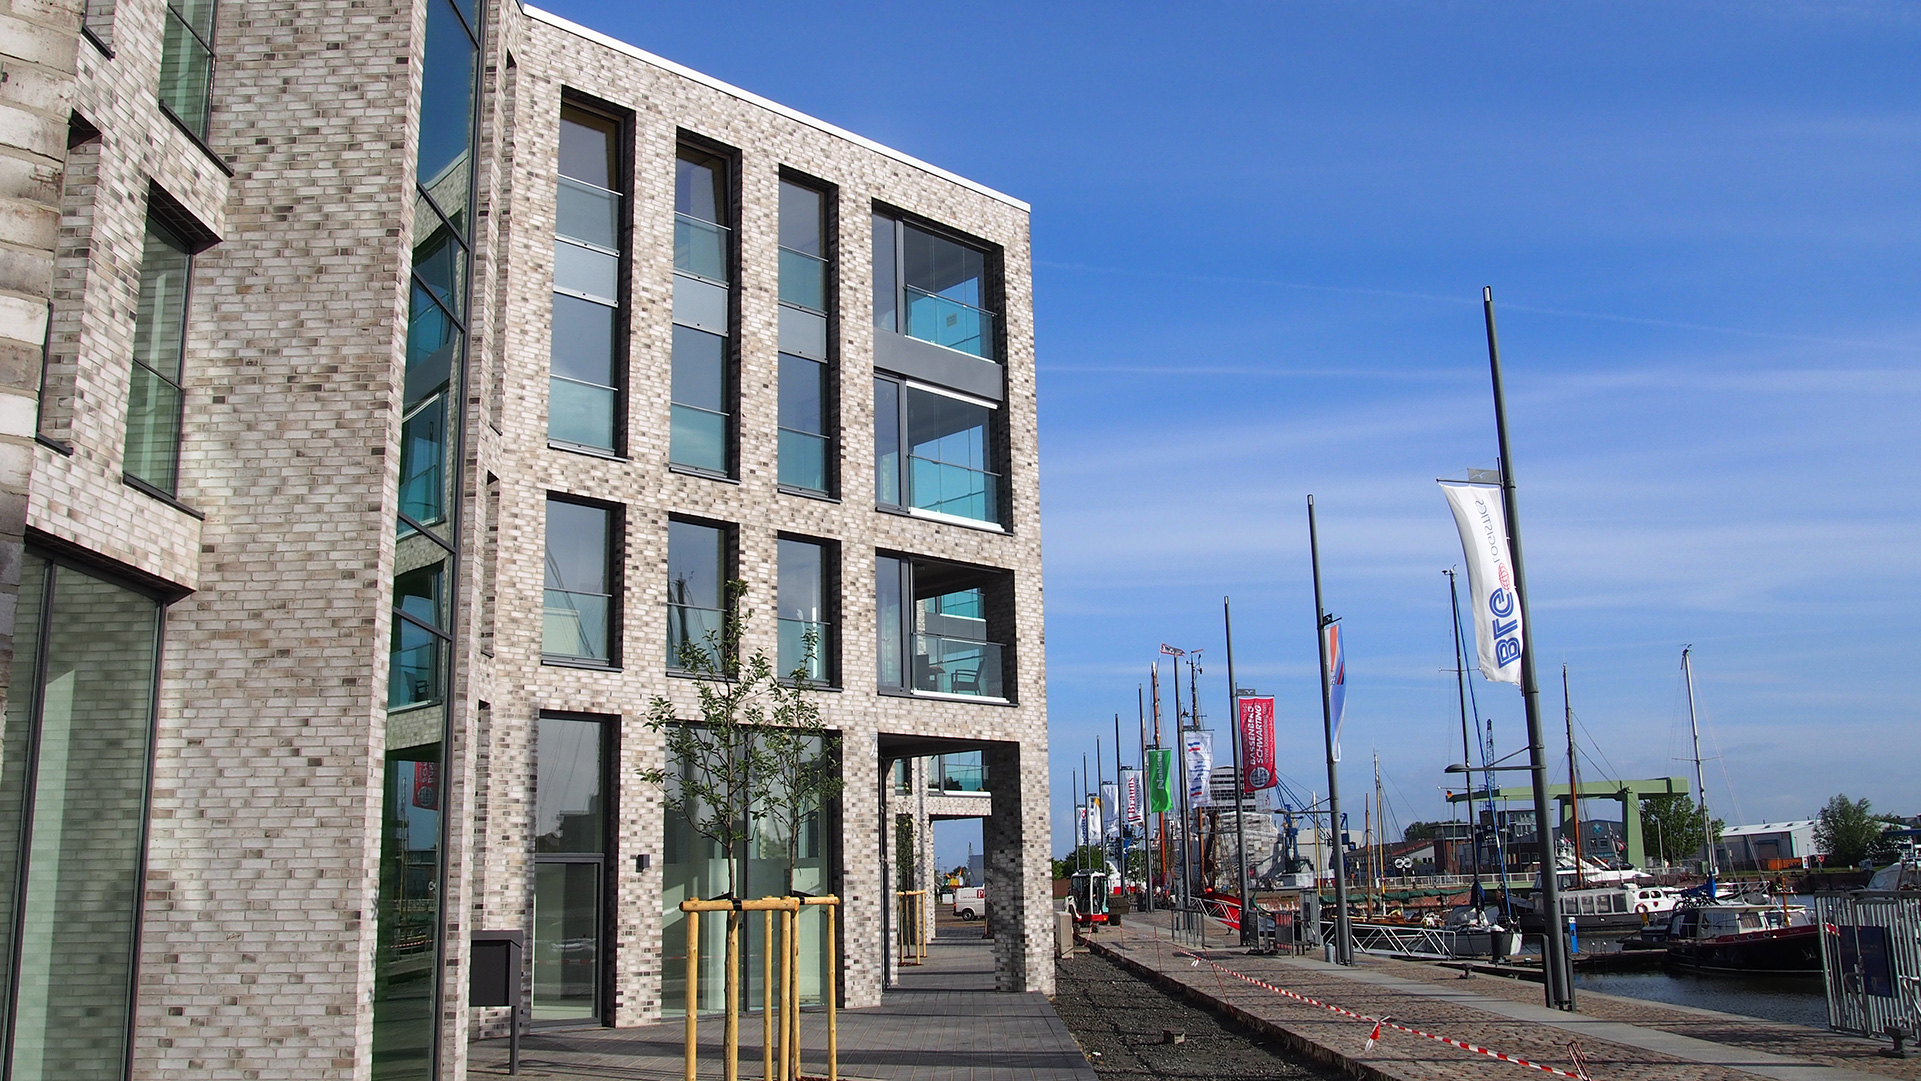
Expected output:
(388, 392)
(1766, 846)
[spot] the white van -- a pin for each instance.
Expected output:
(970, 902)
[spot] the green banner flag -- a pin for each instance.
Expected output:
(1160, 780)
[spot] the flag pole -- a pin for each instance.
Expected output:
(1240, 780)
(1343, 936)
(1558, 987)
(1147, 866)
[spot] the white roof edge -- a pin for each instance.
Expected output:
(752, 98)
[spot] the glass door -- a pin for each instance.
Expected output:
(570, 831)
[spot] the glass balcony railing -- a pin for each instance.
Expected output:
(697, 438)
(947, 776)
(700, 248)
(803, 280)
(934, 318)
(803, 460)
(953, 489)
(793, 648)
(957, 666)
(581, 413)
(699, 628)
(575, 625)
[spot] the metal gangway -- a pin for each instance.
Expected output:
(1871, 962)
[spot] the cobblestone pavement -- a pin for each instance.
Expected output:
(1620, 1039)
(945, 1022)
(1123, 1024)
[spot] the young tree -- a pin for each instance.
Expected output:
(1671, 827)
(1846, 831)
(797, 758)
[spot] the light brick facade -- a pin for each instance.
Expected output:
(258, 928)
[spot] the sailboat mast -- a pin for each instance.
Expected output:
(1573, 780)
(1467, 756)
(1380, 835)
(1700, 777)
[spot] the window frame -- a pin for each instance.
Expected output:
(994, 444)
(614, 547)
(830, 592)
(830, 382)
(692, 146)
(728, 571)
(175, 227)
(993, 292)
(201, 132)
(606, 859)
(620, 360)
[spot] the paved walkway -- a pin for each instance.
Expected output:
(945, 1022)
(1621, 1039)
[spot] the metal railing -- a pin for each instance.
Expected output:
(1871, 962)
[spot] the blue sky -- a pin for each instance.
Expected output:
(1260, 236)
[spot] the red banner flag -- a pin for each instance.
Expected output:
(426, 790)
(1257, 744)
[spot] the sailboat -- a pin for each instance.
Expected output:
(1595, 896)
(1751, 935)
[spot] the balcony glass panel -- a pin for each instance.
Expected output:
(803, 280)
(698, 438)
(575, 625)
(588, 214)
(580, 413)
(793, 648)
(959, 326)
(957, 773)
(186, 73)
(700, 248)
(698, 629)
(803, 460)
(586, 271)
(957, 666)
(954, 489)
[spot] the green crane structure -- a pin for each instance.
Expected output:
(1627, 793)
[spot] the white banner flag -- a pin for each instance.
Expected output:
(1133, 796)
(1094, 820)
(1200, 765)
(1111, 801)
(1080, 827)
(1490, 576)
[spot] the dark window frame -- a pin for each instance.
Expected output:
(622, 359)
(993, 272)
(213, 59)
(831, 577)
(616, 548)
(729, 572)
(608, 859)
(831, 375)
(689, 142)
(176, 226)
(59, 555)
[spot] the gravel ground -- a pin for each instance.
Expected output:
(1121, 1023)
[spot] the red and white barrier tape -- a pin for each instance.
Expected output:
(1580, 1071)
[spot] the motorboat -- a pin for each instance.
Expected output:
(1744, 937)
(1604, 899)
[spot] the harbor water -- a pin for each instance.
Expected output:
(1797, 1000)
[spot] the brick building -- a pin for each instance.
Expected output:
(388, 394)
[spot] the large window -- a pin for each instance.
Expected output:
(697, 567)
(159, 346)
(806, 627)
(73, 822)
(583, 397)
(933, 288)
(939, 631)
(570, 856)
(933, 452)
(806, 450)
(578, 610)
(702, 429)
(783, 852)
(408, 946)
(186, 63)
